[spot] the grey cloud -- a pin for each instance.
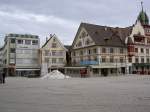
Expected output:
(63, 17)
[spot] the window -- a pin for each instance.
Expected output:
(46, 60)
(142, 50)
(147, 60)
(20, 41)
(46, 52)
(89, 51)
(53, 60)
(54, 45)
(142, 59)
(139, 39)
(111, 59)
(27, 42)
(53, 53)
(148, 40)
(103, 59)
(81, 52)
(121, 50)
(136, 50)
(12, 50)
(87, 42)
(12, 40)
(74, 53)
(147, 51)
(136, 60)
(121, 59)
(60, 60)
(111, 50)
(34, 42)
(83, 34)
(130, 59)
(95, 51)
(103, 50)
(79, 44)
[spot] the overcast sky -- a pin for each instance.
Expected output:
(63, 17)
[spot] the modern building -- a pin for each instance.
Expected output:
(21, 55)
(53, 55)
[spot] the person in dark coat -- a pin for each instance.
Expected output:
(3, 77)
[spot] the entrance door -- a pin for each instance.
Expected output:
(104, 72)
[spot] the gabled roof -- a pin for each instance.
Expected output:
(53, 36)
(47, 41)
(106, 36)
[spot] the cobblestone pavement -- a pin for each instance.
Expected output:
(103, 94)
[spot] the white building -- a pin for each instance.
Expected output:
(20, 54)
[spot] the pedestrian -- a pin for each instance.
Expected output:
(3, 77)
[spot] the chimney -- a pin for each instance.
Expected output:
(51, 35)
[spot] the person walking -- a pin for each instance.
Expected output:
(3, 77)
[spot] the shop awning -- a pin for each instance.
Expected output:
(28, 69)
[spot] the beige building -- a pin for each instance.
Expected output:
(100, 50)
(53, 54)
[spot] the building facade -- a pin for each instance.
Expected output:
(53, 55)
(102, 50)
(21, 55)
(139, 45)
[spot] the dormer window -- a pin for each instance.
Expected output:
(87, 42)
(83, 34)
(139, 39)
(79, 44)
